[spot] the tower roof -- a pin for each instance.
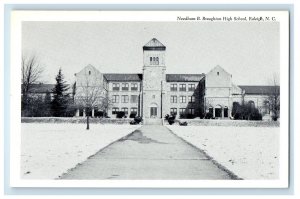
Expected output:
(154, 44)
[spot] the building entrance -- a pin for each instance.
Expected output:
(153, 112)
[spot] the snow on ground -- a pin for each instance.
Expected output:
(48, 149)
(249, 152)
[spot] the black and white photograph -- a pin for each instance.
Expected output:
(152, 96)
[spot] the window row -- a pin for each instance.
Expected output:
(125, 86)
(182, 99)
(125, 98)
(154, 61)
(182, 111)
(115, 110)
(182, 87)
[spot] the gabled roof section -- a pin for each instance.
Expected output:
(123, 77)
(184, 77)
(154, 44)
(236, 90)
(218, 67)
(88, 67)
(259, 90)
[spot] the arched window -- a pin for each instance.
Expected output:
(218, 111)
(89, 72)
(218, 73)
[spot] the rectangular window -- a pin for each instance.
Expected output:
(182, 110)
(173, 99)
(173, 87)
(125, 99)
(115, 110)
(116, 86)
(191, 99)
(192, 111)
(133, 99)
(182, 87)
(125, 86)
(125, 110)
(115, 98)
(134, 86)
(182, 99)
(133, 110)
(191, 87)
(173, 111)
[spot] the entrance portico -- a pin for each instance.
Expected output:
(153, 110)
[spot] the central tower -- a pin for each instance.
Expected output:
(153, 78)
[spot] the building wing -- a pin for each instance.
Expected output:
(260, 90)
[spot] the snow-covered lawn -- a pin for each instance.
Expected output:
(249, 152)
(48, 149)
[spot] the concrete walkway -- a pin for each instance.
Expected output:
(150, 153)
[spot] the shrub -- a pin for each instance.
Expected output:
(183, 123)
(255, 116)
(190, 116)
(138, 119)
(120, 114)
(99, 114)
(167, 117)
(245, 112)
(209, 115)
(182, 116)
(132, 115)
(274, 117)
(132, 122)
(171, 120)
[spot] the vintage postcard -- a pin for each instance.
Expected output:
(175, 99)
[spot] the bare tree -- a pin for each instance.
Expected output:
(91, 93)
(31, 72)
(274, 97)
(207, 105)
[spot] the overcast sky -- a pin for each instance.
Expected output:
(249, 51)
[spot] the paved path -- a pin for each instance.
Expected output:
(150, 153)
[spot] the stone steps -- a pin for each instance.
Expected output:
(153, 121)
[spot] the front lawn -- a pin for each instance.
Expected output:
(50, 149)
(249, 152)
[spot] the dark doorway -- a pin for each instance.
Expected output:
(218, 112)
(210, 110)
(153, 112)
(225, 112)
(81, 112)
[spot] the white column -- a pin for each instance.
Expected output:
(84, 112)
(93, 112)
(214, 113)
(77, 113)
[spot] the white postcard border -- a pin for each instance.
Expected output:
(15, 90)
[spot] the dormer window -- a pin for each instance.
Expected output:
(218, 73)
(89, 72)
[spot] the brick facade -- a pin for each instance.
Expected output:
(154, 93)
